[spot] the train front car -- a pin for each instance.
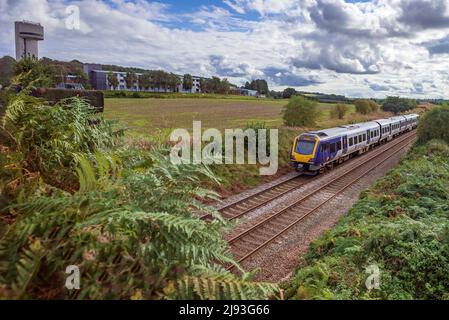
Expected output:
(304, 152)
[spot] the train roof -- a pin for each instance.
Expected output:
(344, 130)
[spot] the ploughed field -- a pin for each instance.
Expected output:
(143, 116)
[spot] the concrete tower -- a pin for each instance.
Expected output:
(27, 36)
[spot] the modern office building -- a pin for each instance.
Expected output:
(27, 36)
(98, 78)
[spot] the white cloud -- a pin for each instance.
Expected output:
(366, 48)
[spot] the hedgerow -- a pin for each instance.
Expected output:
(401, 225)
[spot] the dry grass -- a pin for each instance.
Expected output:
(145, 115)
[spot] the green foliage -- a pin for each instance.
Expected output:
(288, 93)
(31, 72)
(339, 111)
(434, 125)
(373, 105)
(112, 80)
(130, 80)
(300, 112)
(215, 85)
(130, 223)
(398, 104)
(6, 70)
(50, 138)
(400, 225)
(363, 106)
(187, 82)
(260, 85)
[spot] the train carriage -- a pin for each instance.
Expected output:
(313, 152)
(385, 129)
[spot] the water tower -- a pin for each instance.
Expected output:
(27, 36)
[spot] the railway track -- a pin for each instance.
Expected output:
(261, 233)
(243, 206)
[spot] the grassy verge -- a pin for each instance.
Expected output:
(401, 225)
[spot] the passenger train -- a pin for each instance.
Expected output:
(314, 152)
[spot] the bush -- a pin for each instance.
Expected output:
(130, 224)
(398, 105)
(363, 106)
(373, 106)
(50, 137)
(339, 111)
(434, 125)
(52, 96)
(300, 112)
(400, 225)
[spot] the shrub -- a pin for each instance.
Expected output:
(434, 125)
(400, 225)
(398, 105)
(373, 106)
(300, 112)
(363, 106)
(95, 98)
(49, 138)
(131, 223)
(339, 111)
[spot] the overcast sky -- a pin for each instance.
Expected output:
(355, 48)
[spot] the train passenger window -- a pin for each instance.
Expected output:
(356, 140)
(372, 134)
(333, 148)
(364, 137)
(351, 142)
(339, 145)
(360, 138)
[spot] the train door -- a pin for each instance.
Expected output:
(345, 144)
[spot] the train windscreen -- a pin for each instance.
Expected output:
(305, 147)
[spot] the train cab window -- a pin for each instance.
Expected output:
(332, 148)
(305, 147)
(351, 142)
(339, 145)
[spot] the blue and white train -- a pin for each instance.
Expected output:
(316, 151)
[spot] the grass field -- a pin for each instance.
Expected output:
(150, 120)
(143, 116)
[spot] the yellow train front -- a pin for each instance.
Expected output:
(303, 154)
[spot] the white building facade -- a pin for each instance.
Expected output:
(99, 81)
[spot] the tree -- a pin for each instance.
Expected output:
(260, 85)
(130, 80)
(373, 105)
(339, 111)
(434, 125)
(362, 106)
(288, 93)
(112, 80)
(398, 104)
(173, 82)
(187, 82)
(6, 70)
(145, 81)
(215, 85)
(32, 72)
(300, 112)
